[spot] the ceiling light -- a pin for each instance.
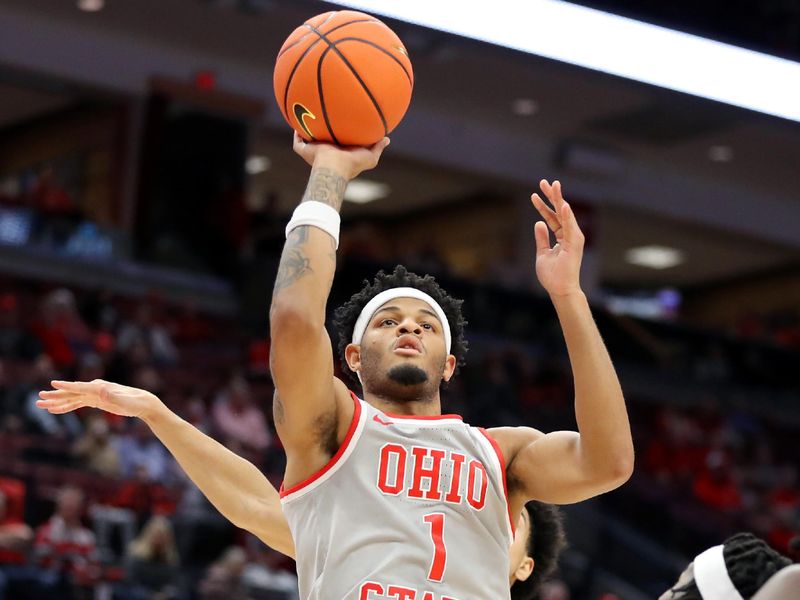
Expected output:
(257, 164)
(720, 153)
(524, 107)
(91, 5)
(613, 44)
(361, 191)
(654, 257)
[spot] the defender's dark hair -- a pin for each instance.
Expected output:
(750, 563)
(345, 316)
(546, 541)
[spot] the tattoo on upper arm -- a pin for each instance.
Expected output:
(327, 186)
(294, 263)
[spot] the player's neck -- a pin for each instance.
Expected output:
(424, 407)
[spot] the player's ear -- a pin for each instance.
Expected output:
(449, 367)
(352, 354)
(524, 570)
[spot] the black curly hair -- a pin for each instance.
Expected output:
(750, 563)
(546, 541)
(345, 317)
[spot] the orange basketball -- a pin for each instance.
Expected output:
(343, 77)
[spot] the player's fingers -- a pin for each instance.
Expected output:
(542, 238)
(49, 403)
(555, 196)
(65, 407)
(56, 394)
(381, 145)
(572, 232)
(550, 217)
(547, 190)
(86, 387)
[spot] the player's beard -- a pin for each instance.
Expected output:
(403, 382)
(408, 375)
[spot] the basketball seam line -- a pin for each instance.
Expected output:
(377, 47)
(281, 53)
(291, 76)
(332, 46)
(293, 44)
(322, 94)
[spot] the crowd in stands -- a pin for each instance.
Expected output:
(91, 501)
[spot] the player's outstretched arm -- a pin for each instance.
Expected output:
(233, 485)
(311, 405)
(563, 467)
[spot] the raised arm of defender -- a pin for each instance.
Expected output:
(234, 486)
(312, 408)
(566, 466)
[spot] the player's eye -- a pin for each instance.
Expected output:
(388, 322)
(427, 326)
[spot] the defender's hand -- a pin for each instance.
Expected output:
(110, 397)
(558, 268)
(350, 161)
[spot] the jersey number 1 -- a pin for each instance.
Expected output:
(436, 521)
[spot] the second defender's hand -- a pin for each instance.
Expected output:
(349, 160)
(105, 395)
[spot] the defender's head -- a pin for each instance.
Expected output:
(539, 540)
(401, 336)
(736, 569)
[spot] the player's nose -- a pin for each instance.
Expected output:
(409, 325)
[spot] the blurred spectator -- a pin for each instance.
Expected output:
(67, 426)
(145, 330)
(97, 449)
(138, 449)
(15, 342)
(11, 413)
(60, 328)
(191, 326)
(90, 367)
(238, 419)
(265, 573)
(716, 486)
(64, 548)
(153, 562)
(15, 538)
(223, 579)
(258, 357)
(144, 496)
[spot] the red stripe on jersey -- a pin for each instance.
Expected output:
(502, 460)
(335, 458)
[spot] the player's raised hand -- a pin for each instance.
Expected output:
(558, 267)
(352, 160)
(110, 397)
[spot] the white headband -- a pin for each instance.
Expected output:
(400, 292)
(711, 576)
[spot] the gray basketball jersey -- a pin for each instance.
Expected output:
(408, 509)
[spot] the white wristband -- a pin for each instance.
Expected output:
(316, 214)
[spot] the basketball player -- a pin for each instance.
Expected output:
(735, 570)
(386, 497)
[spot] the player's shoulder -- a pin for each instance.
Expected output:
(512, 439)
